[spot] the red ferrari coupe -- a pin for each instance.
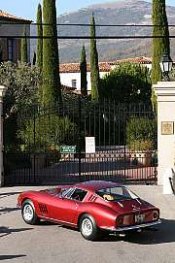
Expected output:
(93, 207)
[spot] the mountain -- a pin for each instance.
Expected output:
(128, 12)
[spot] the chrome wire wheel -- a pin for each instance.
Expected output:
(28, 213)
(87, 227)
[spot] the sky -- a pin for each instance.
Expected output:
(28, 8)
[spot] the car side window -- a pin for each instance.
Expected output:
(67, 193)
(78, 194)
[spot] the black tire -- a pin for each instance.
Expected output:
(88, 228)
(28, 213)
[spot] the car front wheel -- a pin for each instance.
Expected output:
(88, 228)
(28, 213)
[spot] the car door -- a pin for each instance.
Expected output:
(66, 206)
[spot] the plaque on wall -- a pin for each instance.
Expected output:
(167, 127)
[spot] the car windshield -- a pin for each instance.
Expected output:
(116, 193)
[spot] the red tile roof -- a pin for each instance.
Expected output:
(139, 60)
(75, 67)
(7, 16)
(103, 66)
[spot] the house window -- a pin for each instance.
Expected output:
(10, 46)
(74, 83)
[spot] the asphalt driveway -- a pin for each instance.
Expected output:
(49, 243)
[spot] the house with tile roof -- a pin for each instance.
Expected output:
(70, 72)
(144, 61)
(11, 28)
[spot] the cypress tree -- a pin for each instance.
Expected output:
(95, 78)
(1, 54)
(83, 70)
(34, 59)
(51, 78)
(161, 46)
(24, 51)
(40, 35)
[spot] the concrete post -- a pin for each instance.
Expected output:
(165, 91)
(2, 93)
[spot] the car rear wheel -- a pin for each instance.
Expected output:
(88, 228)
(28, 213)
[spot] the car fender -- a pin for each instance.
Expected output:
(104, 216)
(32, 196)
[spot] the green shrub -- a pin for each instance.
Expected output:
(127, 83)
(141, 133)
(47, 133)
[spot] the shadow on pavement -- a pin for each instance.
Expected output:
(5, 210)
(4, 195)
(5, 257)
(5, 231)
(164, 233)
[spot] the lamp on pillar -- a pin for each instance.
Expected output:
(166, 65)
(2, 93)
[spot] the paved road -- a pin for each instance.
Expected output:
(47, 243)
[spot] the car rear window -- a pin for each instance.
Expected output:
(117, 193)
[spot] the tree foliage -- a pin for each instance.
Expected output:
(51, 78)
(161, 46)
(141, 133)
(21, 80)
(50, 132)
(40, 35)
(1, 52)
(95, 78)
(83, 70)
(24, 48)
(127, 83)
(34, 59)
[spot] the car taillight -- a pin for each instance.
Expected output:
(155, 215)
(120, 221)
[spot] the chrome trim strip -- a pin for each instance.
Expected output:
(127, 228)
(57, 221)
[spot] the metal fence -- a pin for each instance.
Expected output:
(47, 145)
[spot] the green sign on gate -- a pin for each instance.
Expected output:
(68, 148)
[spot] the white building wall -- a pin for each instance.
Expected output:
(165, 91)
(66, 79)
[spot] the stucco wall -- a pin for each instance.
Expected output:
(66, 79)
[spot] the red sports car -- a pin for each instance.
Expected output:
(93, 207)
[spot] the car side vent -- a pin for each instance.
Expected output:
(92, 198)
(43, 208)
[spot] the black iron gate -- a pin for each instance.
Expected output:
(47, 145)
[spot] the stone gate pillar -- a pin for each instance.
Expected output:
(165, 91)
(2, 93)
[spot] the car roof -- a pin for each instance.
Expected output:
(95, 185)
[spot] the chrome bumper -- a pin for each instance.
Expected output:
(135, 227)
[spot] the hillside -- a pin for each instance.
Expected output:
(128, 12)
